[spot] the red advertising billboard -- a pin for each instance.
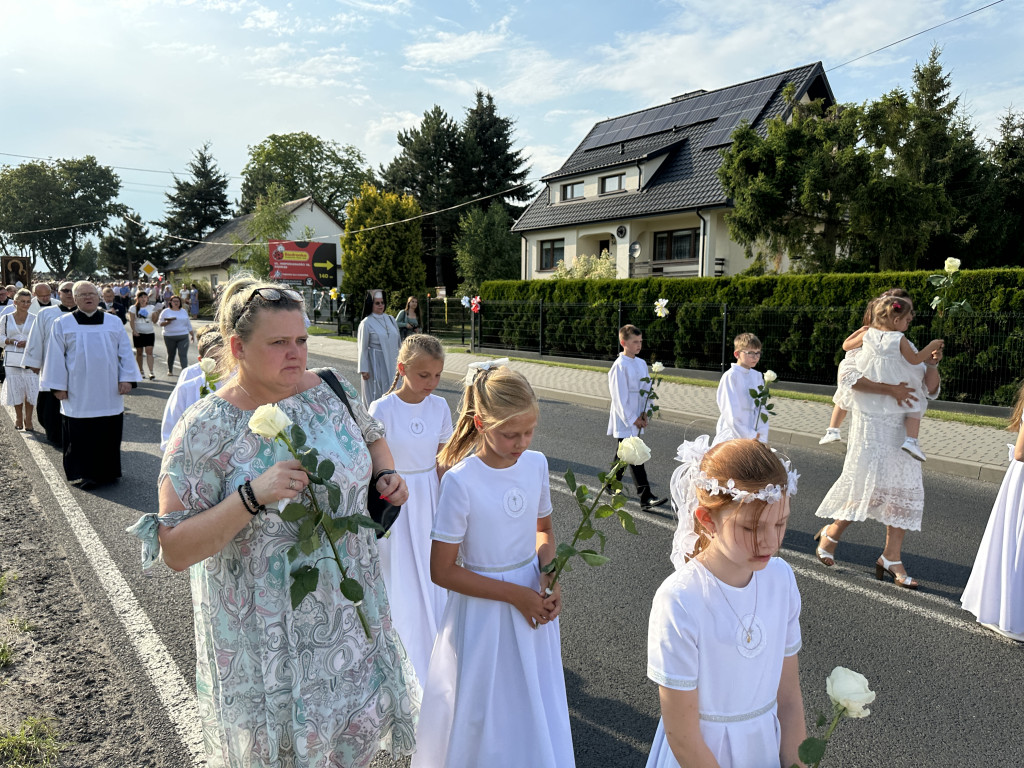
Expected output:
(304, 263)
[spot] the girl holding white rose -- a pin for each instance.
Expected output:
(302, 687)
(724, 629)
(495, 690)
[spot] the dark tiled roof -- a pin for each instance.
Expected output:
(686, 180)
(217, 247)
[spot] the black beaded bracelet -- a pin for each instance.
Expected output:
(251, 494)
(381, 474)
(245, 502)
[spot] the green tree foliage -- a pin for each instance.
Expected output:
(431, 169)
(385, 257)
(1008, 159)
(494, 165)
(88, 260)
(304, 165)
(68, 199)
(270, 221)
(486, 248)
(196, 207)
(587, 267)
(126, 246)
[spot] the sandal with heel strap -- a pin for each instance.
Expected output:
(884, 566)
(824, 556)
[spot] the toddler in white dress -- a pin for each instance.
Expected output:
(495, 690)
(888, 357)
(417, 424)
(724, 631)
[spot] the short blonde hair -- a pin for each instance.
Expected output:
(746, 341)
(414, 346)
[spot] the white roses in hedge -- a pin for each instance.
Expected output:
(269, 421)
(633, 450)
(849, 689)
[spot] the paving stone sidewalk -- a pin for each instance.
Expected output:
(952, 447)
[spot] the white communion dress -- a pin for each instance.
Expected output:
(881, 361)
(696, 641)
(414, 430)
(495, 692)
(995, 590)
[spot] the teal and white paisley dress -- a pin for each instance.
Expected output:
(279, 687)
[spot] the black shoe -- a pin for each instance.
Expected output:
(648, 504)
(88, 485)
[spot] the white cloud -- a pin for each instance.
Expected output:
(183, 51)
(264, 18)
(383, 7)
(450, 48)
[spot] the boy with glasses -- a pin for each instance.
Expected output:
(739, 418)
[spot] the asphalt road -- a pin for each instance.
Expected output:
(948, 691)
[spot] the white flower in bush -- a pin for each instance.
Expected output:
(850, 690)
(269, 421)
(661, 307)
(633, 450)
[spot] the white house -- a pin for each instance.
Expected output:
(212, 259)
(644, 186)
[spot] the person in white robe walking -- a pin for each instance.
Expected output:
(47, 406)
(89, 368)
(378, 342)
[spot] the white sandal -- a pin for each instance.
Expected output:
(826, 558)
(899, 579)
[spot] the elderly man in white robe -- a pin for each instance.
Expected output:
(89, 368)
(48, 406)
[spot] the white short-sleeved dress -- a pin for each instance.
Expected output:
(995, 590)
(414, 431)
(880, 360)
(695, 641)
(495, 691)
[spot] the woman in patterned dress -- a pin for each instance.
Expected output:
(277, 686)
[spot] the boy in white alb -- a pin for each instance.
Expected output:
(739, 417)
(627, 417)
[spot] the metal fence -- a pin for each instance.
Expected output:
(983, 363)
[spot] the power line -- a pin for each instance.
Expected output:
(916, 34)
(116, 167)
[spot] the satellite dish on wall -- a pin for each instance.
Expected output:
(621, 231)
(634, 249)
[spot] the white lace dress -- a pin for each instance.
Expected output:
(879, 481)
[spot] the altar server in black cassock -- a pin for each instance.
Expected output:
(89, 367)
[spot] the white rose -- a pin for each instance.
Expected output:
(952, 265)
(208, 366)
(849, 689)
(657, 368)
(633, 450)
(269, 421)
(770, 376)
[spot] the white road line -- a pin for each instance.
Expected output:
(177, 699)
(817, 573)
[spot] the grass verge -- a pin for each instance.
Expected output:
(314, 330)
(33, 744)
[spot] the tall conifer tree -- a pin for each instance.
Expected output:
(198, 205)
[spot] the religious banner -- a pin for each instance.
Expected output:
(304, 263)
(15, 271)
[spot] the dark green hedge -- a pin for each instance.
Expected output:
(801, 319)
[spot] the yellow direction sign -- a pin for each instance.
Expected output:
(148, 269)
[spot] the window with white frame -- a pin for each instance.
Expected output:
(551, 253)
(573, 191)
(677, 245)
(616, 183)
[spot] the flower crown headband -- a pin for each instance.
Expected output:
(688, 477)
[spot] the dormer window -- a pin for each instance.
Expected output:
(616, 183)
(572, 191)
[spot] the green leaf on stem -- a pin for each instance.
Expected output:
(764, 417)
(310, 545)
(550, 567)
(581, 493)
(618, 501)
(627, 521)
(605, 510)
(308, 460)
(602, 477)
(936, 279)
(293, 553)
(564, 551)
(364, 521)
(333, 495)
(585, 532)
(590, 557)
(298, 436)
(326, 470)
(293, 512)
(655, 408)
(811, 750)
(753, 392)
(821, 719)
(352, 589)
(603, 539)
(306, 529)
(304, 580)
(570, 479)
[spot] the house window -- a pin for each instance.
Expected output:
(678, 245)
(551, 253)
(616, 183)
(572, 191)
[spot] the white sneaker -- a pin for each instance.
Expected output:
(831, 436)
(910, 446)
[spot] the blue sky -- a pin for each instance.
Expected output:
(143, 83)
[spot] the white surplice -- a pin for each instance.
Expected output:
(739, 417)
(624, 387)
(88, 362)
(39, 336)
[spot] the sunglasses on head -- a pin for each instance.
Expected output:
(274, 295)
